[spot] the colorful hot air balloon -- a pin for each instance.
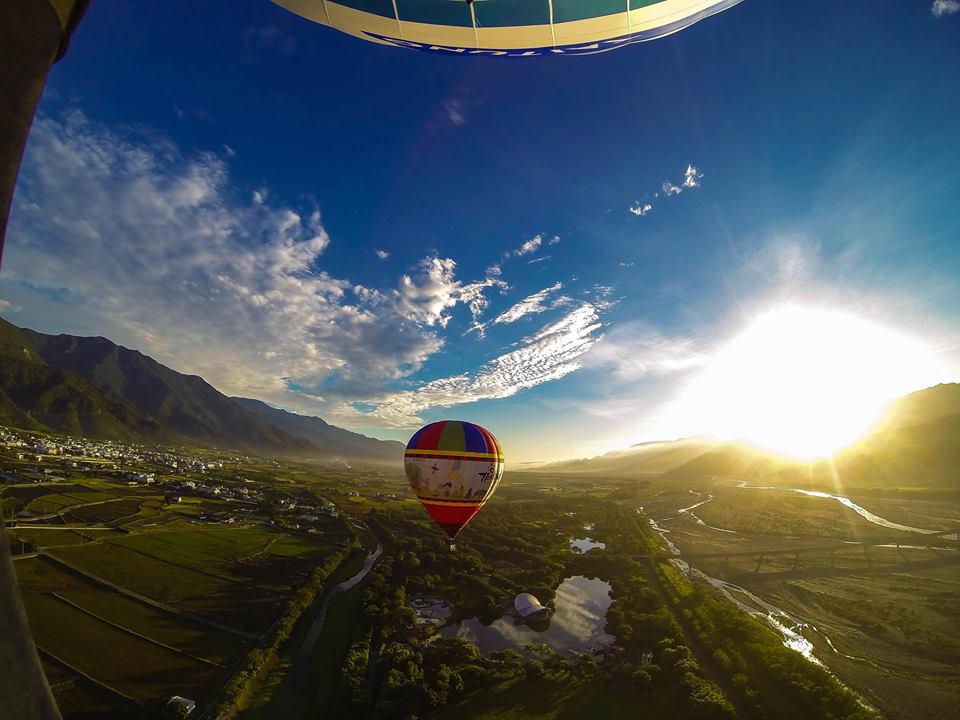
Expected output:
(453, 467)
(516, 28)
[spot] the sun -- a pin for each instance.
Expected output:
(803, 381)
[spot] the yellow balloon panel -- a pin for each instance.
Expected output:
(514, 28)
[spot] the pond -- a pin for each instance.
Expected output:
(585, 544)
(577, 623)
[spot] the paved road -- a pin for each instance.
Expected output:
(298, 679)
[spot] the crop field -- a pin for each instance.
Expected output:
(137, 668)
(78, 698)
(182, 633)
(237, 576)
(27, 493)
(105, 512)
(47, 537)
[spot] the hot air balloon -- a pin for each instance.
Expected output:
(454, 467)
(512, 28)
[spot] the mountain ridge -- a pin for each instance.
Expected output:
(328, 438)
(93, 386)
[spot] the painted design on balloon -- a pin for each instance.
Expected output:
(453, 467)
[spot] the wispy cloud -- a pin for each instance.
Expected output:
(539, 259)
(382, 254)
(454, 112)
(945, 7)
(641, 209)
(530, 305)
(270, 38)
(552, 353)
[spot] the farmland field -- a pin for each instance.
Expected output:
(139, 669)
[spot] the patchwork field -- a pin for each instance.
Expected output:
(132, 599)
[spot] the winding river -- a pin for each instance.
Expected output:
(789, 627)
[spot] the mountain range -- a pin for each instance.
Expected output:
(93, 387)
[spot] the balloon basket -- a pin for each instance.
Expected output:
(452, 546)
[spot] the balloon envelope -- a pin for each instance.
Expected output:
(516, 28)
(453, 467)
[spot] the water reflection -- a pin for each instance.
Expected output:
(585, 544)
(577, 622)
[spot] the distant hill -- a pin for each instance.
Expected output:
(94, 387)
(922, 407)
(324, 436)
(917, 444)
(645, 459)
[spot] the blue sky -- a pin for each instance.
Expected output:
(211, 183)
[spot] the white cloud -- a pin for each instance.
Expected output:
(626, 264)
(530, 246)
(382, 254)
(539, 259)
(552, 353)
(454, 112)
(530, 305)
(555, 240)
(229, 151)
(634, 350)
(152, 248)
(691, 177)
(5, 305)
(945, 7)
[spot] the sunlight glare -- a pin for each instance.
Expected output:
(802, 381)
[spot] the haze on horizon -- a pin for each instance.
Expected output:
(774, 261)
